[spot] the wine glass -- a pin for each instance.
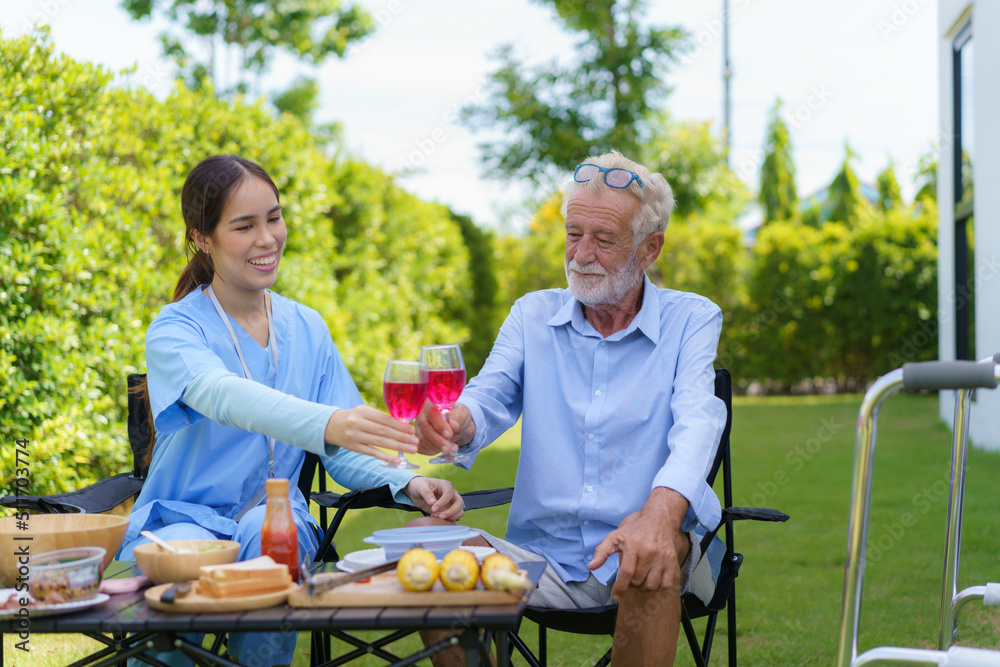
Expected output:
(445, 384)
(405, 389)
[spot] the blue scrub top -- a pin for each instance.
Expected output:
(203, 472)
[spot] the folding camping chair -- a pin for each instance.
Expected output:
(601, 620)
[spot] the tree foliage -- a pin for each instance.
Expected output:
(90, 230)
(239, 38)
(544, 118)
(845, 202)
(889, 195)
(778, 195)
(694, 162)
(843, 301)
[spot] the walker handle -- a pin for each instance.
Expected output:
(948, 375)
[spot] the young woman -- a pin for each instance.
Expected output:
(242, 382)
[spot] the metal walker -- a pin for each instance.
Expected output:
(966, 377)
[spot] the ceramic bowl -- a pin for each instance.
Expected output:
(162, 566)
(53, 532)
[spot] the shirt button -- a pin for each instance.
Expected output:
(604, 343)
(590, 488)
(590, 437)
(597, 393)
(586, 523)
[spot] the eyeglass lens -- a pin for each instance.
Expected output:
(615, 178)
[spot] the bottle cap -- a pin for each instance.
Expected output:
(276, 485)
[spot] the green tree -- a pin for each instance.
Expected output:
(485, 320)
(543, 119)
(694, 163)
(90, 227)
(239, 38)
(845, 201)
(889, 196)
(926, 177)
(778, 195)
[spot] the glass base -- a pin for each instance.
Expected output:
(400, 462)
(451, 458)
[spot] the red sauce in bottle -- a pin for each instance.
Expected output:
(279, 537)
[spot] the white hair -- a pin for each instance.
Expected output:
(655, 197)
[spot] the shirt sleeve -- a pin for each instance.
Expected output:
(347, 468)
(495, 396)
(225, 398)
(699, 418)
(176, 353)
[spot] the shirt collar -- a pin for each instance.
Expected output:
(647, 320)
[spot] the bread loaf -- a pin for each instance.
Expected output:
(250, 577)
(243, 587)
(262, 566)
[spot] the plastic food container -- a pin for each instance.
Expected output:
(65, 575)
(437, 539)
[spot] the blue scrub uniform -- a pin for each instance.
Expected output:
(203, 472)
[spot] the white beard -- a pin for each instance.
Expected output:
(609, 290)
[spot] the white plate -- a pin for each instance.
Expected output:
(37, 610)
(360, 560)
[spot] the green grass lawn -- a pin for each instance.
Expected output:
(796, 455)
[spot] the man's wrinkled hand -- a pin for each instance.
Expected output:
(646, 543)
(437, 435)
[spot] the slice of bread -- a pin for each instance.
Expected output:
(244, 587)
(260, 567)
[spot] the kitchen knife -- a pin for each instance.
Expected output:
(314, 587)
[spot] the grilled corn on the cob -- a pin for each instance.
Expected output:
(459, 570)
(417, 570)
(499, 573)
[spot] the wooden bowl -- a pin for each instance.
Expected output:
(53, 532)
(163, 567)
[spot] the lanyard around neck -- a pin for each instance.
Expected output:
(271, 342)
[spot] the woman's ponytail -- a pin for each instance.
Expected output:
(203, 199)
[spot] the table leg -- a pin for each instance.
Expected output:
(469, 640)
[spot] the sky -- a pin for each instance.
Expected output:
(857, 72)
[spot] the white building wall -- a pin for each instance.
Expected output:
(952, 14)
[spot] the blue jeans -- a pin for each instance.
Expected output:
(253, 649)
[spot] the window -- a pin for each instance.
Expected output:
(962, 159)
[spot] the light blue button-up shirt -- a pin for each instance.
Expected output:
(605, 420)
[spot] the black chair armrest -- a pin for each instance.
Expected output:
(100, 496)
(477, 500)
(752, 513)
(374, 496)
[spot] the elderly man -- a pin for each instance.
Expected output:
(614, 380)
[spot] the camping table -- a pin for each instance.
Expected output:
(127, 626)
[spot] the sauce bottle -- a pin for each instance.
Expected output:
(279, 537)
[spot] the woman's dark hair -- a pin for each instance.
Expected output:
(204, 196)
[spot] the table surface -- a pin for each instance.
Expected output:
(129, 613)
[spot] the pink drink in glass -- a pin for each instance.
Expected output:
(404, 399)
(445, 386)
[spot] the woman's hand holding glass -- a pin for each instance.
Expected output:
(365, 430)
(404, 387)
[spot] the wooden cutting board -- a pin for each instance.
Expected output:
(195, 602)
(384, 590)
